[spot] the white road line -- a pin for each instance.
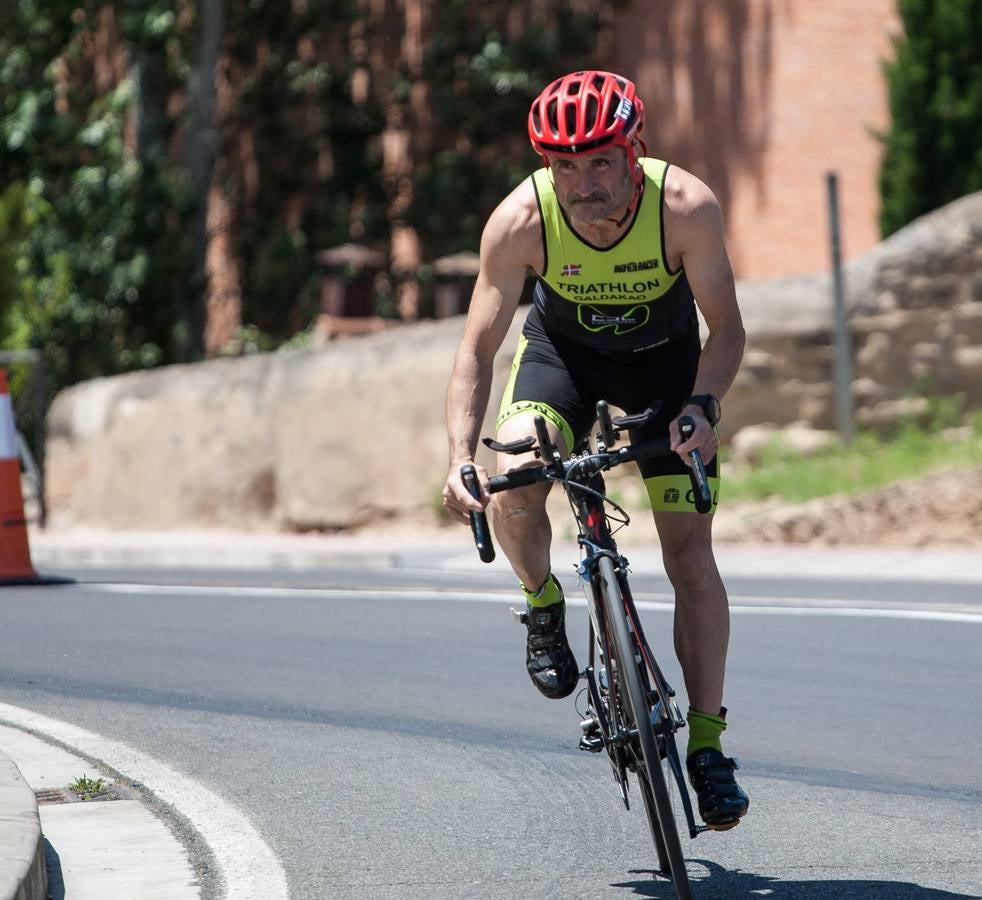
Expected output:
(248, 867)
(745, 605)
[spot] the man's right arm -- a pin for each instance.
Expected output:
(507, 251)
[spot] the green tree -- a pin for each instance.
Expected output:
(293, 153)
(482, 85)
(13, 229)
(933, 149)
(335, 120)
(101, 262)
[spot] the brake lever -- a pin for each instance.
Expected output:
(702, 495)
(479, 520)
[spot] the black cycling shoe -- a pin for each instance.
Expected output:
(721, 800)
(548, 658)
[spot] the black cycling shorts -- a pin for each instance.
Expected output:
(563, 380)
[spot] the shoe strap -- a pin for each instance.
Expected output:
(540, 643)
(541, 619)
(706, 762)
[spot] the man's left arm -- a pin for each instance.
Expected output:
(697, 229)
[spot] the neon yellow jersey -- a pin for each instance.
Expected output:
(622, 297)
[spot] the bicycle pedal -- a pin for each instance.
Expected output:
(520, 616)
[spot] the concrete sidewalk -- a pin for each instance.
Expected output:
(235, 550)
(54, 844)
(453, 548)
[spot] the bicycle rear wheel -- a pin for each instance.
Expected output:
(647, 760)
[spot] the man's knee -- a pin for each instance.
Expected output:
(687, 553)
(519, 504)
(688, 564)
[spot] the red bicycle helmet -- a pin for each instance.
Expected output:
(587, 111)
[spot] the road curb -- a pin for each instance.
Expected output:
(52, 556)
(222, 549)
(23, 872)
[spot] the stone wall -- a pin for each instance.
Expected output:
(915, 318)
(297, 440)
(353, 433)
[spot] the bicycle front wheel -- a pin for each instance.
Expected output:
(644, 748)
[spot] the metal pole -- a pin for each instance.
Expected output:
(843, 341)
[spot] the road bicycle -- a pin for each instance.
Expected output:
(631, 710)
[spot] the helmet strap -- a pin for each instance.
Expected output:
(633, 205)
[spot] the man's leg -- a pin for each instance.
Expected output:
(702, 613)
(702, 632)
(521, 525)
(524, 533)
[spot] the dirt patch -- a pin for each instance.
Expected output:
(942, 510)
(939, 510)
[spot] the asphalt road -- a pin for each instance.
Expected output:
(380, 731)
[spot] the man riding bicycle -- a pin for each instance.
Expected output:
(622, 248)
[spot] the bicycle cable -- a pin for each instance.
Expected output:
(622, 520)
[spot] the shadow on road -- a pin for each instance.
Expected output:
(734, 885)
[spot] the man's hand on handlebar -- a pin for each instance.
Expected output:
(457, 500)
(702, 439)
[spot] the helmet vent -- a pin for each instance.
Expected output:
(570, 111)
(553, 117)
(591, 112)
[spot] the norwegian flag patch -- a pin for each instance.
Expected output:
(571, 269)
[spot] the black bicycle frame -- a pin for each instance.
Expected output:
(596, 539)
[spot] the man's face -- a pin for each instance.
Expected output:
(593, 187)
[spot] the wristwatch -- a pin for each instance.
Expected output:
(710, 406)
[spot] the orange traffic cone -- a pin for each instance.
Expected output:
(15, 555)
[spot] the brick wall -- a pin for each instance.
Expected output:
(760, 98)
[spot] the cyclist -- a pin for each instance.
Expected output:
(622, 248)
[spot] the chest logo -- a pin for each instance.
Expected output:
(641, 265)
(596, 320)
(571, 269)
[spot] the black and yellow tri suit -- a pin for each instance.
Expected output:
(614, 323)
